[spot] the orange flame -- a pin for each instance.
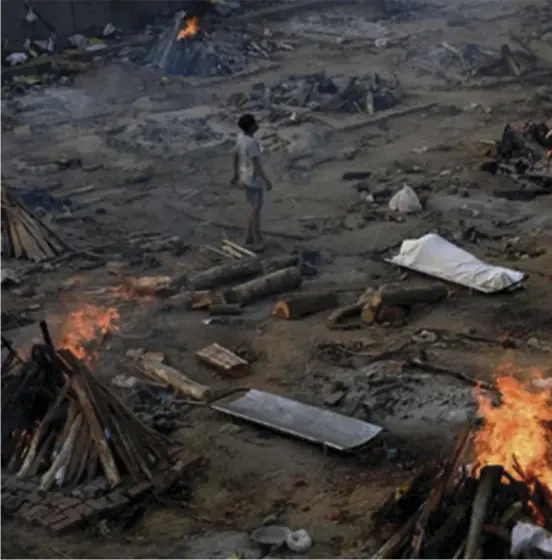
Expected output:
(88, 324)
(191, 29)
(517, 431)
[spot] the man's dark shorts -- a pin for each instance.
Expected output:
(255, 197)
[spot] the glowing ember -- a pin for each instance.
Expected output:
(191, 29)
(516, 432)
(88, 324)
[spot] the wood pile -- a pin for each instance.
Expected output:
(521, 154)
(24, 235)
(319, 92)
(448, 511)
(61, 423)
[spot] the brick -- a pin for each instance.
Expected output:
(34, 498)
(53, 518)
(72, 520)
(65, 502)
(138, 490)
(35, 512)
(117, 500)
(99, 505)
(84, 510)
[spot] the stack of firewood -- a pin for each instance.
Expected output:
(444, 511)
(24, 235)
(61, 423)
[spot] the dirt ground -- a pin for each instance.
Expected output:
(145, 168)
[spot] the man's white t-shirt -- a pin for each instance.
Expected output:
(248, 148)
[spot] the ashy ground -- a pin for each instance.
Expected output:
(155, 158)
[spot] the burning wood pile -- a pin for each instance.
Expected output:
(59, 422)
(190, 49)
(455, 510)
(472, 61)
(319, 92)
(25, 236)
(524, 155)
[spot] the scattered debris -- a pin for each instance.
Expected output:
(464, 64)
(319, 92)
(521, 154)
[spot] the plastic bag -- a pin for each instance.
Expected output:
(299, 541)
(406, 201)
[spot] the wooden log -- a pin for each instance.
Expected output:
(269, 284)
(225, 309)
(174, 378)
(39, 433)
(147, 285)
(223, 360)
(239, 248)
(408, 296)
(301, 305)
(97, 432)
(193, 300)
(446, 531)
(278, 263)
(63, 457)
(224, 274)
(336, 318)
(488, 480)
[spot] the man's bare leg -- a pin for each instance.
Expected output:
(250, 234)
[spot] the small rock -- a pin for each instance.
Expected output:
(143, 104)
(424, 337)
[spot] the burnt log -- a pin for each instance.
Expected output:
(299, 306)
(269, 284)
(224, 274)
(225, 309)
(489, 479)
(407, 296)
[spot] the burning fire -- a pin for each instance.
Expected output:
(518, 433)
(191, 29)
(88, 324)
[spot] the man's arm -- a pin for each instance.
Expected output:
(260, 172)
(236, 167)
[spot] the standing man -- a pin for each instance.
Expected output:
(249, 174)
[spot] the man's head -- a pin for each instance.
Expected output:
(248, 124)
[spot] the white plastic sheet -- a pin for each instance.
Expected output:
(435, 256)
(526, 536)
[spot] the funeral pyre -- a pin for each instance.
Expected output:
(62, 424)
(194, 48)
(478, 510)
(319, 92)
(524, 155)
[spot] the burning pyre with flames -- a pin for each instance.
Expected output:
(463, 509)
(61, 423)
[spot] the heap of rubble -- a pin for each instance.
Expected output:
(319, 92)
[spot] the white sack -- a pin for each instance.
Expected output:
(435, 256)
(526, 536)
(406, 201)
